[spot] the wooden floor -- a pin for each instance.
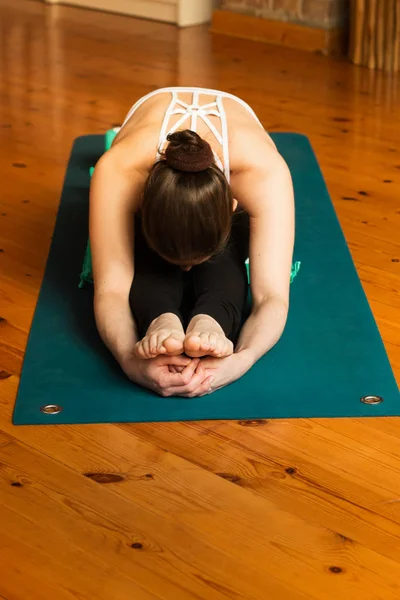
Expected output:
(277, 510)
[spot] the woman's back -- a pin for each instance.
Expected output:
(228, 124)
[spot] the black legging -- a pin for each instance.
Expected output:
(217, 287)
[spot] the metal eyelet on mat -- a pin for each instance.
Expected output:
(51, 409)
(371, 399)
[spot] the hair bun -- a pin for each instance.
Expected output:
(188, 152)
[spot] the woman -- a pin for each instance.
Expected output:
(201, 176)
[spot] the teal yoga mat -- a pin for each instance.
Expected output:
(331, 353)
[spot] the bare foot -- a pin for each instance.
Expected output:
(165, 336)
(204, 337)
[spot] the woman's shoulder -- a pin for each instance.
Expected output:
(134, 149)
(251, 147)
(122, 171)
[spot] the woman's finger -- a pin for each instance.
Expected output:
(172, 380)
(189, 370)
(180, 360)
(196, 380)
(203, 389)
(177, 369)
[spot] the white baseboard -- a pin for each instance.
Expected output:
(159, 10)
(181, 12)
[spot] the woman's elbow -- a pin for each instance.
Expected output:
(279, 302)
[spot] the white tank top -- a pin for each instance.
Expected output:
(191, 114)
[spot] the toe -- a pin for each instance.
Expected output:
(137, 350)
(227, 348)
(205, 341)
(212, 340)
(146, 347)
(140, 349)
(192, 344)
(161, 349)
(173, 345)
(154, 344)
(219, 345)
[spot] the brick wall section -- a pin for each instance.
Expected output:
(326, 14)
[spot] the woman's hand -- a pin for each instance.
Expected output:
(224, 370)
(155, 374)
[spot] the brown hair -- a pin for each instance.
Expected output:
(187, 202)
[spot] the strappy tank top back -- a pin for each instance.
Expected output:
(190, 115)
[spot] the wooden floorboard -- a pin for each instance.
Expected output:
(280, 509)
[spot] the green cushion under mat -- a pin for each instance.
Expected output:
(86, 277)
(330, 355)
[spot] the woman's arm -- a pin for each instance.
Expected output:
(267, 195)
(112, 205)
(114, 196)
(268, 198)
